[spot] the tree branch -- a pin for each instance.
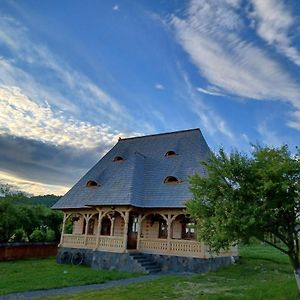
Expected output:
(275, 246)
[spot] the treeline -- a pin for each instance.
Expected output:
(25, 219)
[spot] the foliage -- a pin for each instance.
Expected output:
(261, 273)
(34, 221)
(19, 235)
(40, 274)
(244, 197)
(8, 220)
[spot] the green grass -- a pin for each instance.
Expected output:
(40, 274)
(261, 273)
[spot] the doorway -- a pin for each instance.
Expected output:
(132, 231)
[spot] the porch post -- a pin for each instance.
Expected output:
(87, 219)
(112, 227)
(63, 228)
(138, 242)
(169, 222)
(98, 229)
(126, 221)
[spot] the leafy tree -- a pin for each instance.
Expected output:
(8, 219)
(246, 196)
(38, 235)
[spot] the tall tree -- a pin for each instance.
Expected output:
(246, 196)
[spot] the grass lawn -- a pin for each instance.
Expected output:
(261, 273)
(39, 274)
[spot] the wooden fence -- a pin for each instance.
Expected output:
(12, 251)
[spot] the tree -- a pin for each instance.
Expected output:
(246, 196)
(8, 219)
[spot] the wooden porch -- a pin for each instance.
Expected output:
(122, 229)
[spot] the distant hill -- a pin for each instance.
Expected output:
(24, 198)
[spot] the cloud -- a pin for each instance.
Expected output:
(22, 117)
(116, 7)
(269, 136)
(213, 123)
(213, 34)
(43, 76)
(274, 23)
(31, 187)
(209, 91)
(159, 86)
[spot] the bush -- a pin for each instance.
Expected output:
(50, 235)
(37, 235)
(19, 235)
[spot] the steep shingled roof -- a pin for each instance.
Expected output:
(138, 180)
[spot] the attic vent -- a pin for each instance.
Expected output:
(170, 153)
(91, 183)
(171, 179)
(118, 158)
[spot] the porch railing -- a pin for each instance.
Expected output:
(176, 247)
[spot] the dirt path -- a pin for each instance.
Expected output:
(77, 289)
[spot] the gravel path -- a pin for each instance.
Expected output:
(77, 289)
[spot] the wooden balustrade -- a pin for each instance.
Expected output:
(177, 247)
(73, 240)
(91, 241)
(111, 243)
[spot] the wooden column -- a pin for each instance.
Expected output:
(126, 221)
(138, 242)
(63, 228)
(112, 227)
(87, 219)
(169, 222)
(98, 229)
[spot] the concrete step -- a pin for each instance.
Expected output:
(145, 262)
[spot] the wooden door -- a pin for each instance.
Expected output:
(132, 231)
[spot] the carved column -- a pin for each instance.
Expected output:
(66, 216)
(169, 223)
(87, 219)
(138, 242)
(98, 228)
(126, 221)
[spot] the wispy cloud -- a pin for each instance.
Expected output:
(209, 91)
(212, 33)
(269, 136)
(82, 93)
(159, 86)
(210, 121)
(273, 21)
(22, 117)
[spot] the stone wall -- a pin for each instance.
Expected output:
(125, 262)
(178, 264)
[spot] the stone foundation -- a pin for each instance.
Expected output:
(125, 262)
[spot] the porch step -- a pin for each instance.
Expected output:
(149, 265)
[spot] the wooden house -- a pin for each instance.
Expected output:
(128, 211)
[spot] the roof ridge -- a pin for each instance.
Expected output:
(157, 134)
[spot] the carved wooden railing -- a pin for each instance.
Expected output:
(154, 245)
(73, 240)
(186, 248)
(111, 243)
(105, 243)
(175, 247)
(91, 241)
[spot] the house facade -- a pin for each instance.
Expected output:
(128, 211)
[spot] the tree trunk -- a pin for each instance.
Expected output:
(297, 276)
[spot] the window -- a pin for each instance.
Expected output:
(163, 229)
(188, 231)
(91, 183)
(118, 158)
(171, 179)
(105, 226)
(170, 153)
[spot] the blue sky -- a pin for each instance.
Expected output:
(76, 75)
